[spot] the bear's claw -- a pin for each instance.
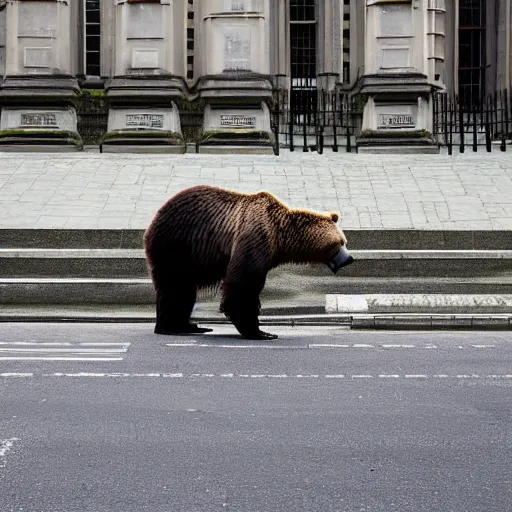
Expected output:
(188, 329)
(261, 336)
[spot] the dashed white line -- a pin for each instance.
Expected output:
(22, 375)
(253, 376)
(312, 346)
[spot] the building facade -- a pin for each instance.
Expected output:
(150, 57)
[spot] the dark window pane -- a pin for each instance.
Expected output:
(303, 50)
(93, 29)
(92, 37)
(472, 60)
(92, 44)
(302, 10)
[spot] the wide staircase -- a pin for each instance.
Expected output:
(104, 272)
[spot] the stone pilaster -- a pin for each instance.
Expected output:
(38, 88)
(331, 40)
(400, 73)
(235, 79)
(148, 77)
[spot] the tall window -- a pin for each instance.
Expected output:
(303, 34)
(346, 41)
(92, 37)
(471, 50)
(303, 39)
(190, 40)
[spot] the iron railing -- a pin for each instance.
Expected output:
(92, 117)
(313, 119)
(480, 123)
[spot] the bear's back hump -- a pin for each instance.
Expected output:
(204, 211)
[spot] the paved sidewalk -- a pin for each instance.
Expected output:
(92, 190)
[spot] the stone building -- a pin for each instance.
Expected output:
(151, 56)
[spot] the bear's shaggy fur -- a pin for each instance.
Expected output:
(207, 235)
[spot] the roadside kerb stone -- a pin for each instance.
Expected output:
(415, 303)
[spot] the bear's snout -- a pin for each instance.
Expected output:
(341, 259)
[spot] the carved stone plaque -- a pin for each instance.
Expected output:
(37, 19)
(39, 120)
(234, 121)
(240, 5)
(145, 58)
(237, 48)
(396, 121)
(37, 57)
(144, 120)
(145, 19)
(395, 57)
(396, 20)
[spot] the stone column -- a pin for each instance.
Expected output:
(504, 25)
(399, 76)
(3, 34)
(331, 52)
(235, 82)
(38, 89)
(148, 77)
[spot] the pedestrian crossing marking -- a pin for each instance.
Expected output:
(62, 351)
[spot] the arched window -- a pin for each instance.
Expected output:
(92, 37)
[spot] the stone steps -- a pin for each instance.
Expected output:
(108, 267)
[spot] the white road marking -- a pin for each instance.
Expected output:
(356, 346)
(35, 358)
(62, 351)
(16, 375)
(5, 446)
(68, 350)
(64, 344)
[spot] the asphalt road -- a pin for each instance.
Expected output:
(112, 418)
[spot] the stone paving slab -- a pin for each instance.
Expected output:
(470, 191)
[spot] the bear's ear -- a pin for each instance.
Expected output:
(335, 217)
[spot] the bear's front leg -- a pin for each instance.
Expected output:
(245, 279)
(242, 310)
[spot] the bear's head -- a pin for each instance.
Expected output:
(317, 239)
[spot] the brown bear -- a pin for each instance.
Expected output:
(207, 235)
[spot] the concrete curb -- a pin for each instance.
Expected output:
(417, 322)
(432, 322)
(418, 303)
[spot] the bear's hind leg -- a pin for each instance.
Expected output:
(173, 310)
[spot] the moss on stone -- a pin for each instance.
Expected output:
(394, 134)
(234, 134)
(142, 134)
(92, 92)
(62, 136)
